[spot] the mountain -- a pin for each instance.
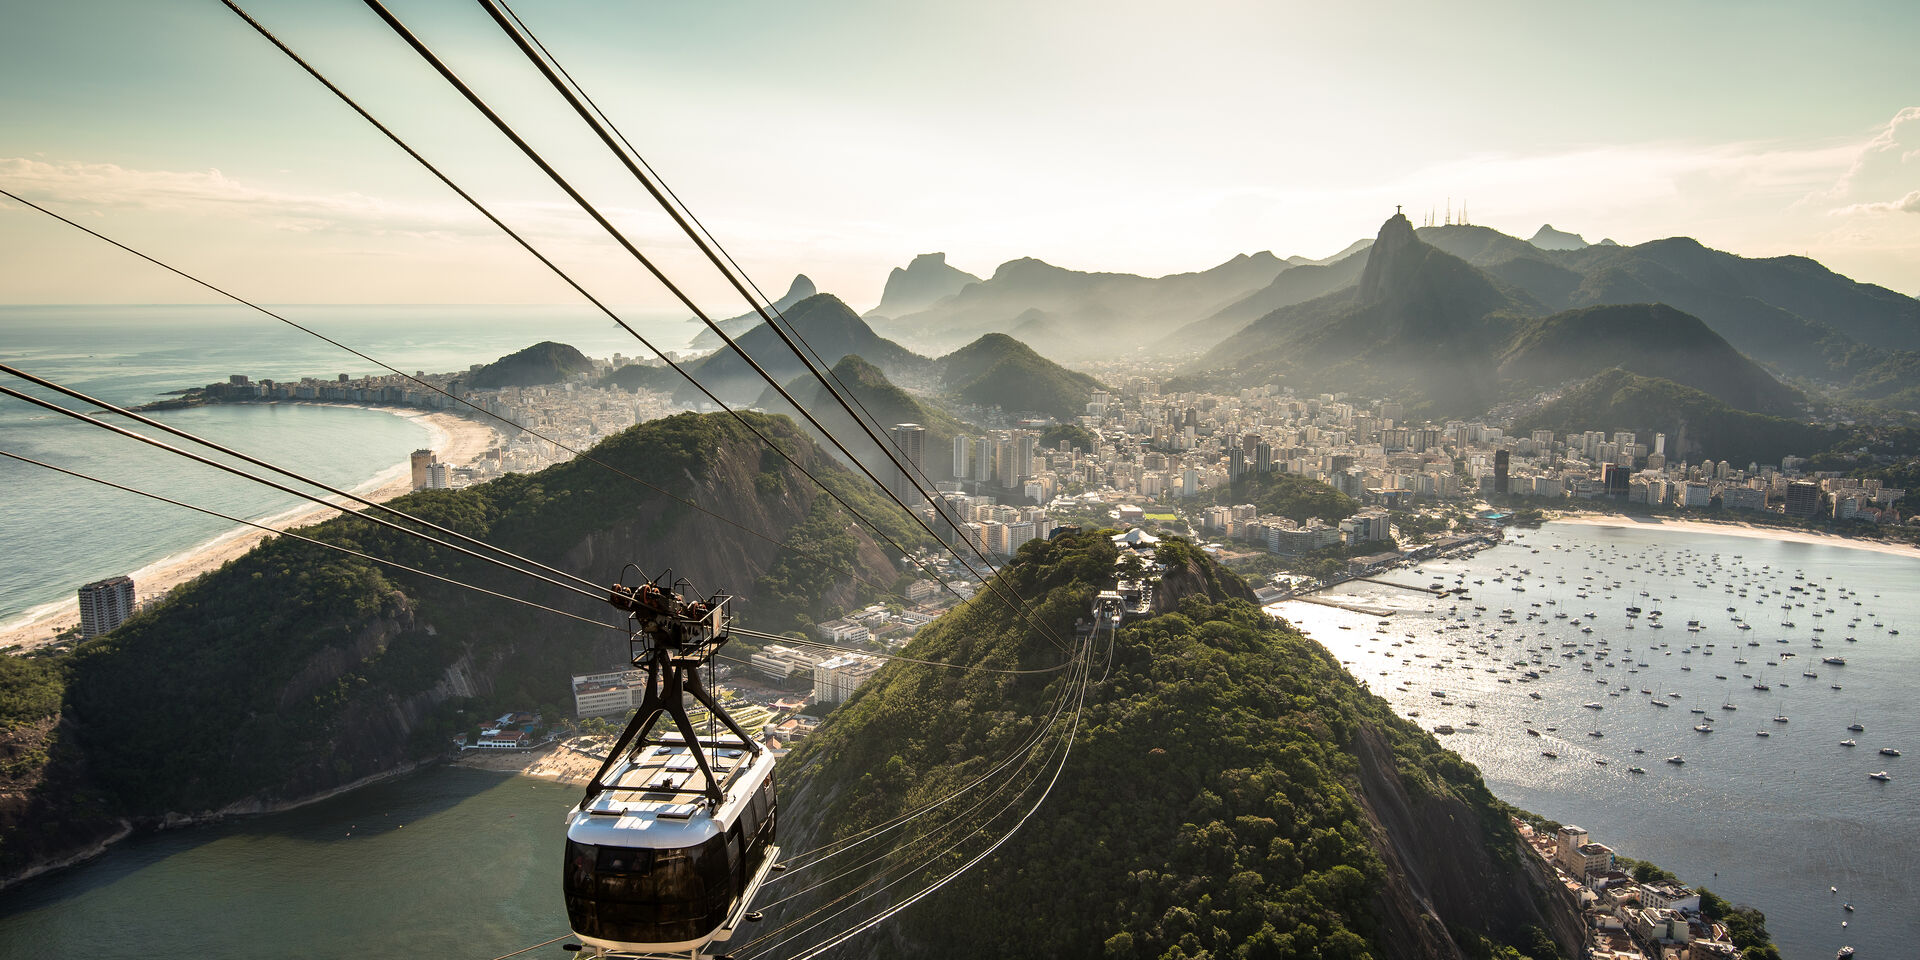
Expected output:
(543, 363)
(295, 670)
(1071, 315)
(1287, 495)
(1297, 284)
(921, 283)
(827, 325)
(1697, 425)
(1547, 238)
(997, 370)
(1230, 791)
(1419, 323)
(1789, 313)
(800, 289)
(887, 404)
(1649, 339)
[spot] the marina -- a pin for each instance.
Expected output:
(1556, 692)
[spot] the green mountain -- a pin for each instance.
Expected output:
(827, 325)
(1697, 425)
(1789, 313)
(1287, 495)
(886, 403)
(799, 290)
(1420, 324)
(295, 670)
(1231, 791)
(997, 370)
(543, 363)
(1652, 340)
(1547, 238)
(920, 284)
(1298, 284)
(1074, 315)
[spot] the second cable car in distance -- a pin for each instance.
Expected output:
(676, 831)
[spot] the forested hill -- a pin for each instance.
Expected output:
(543, 363)
(1231, 791)
(1698, 426)
(998, 370)
(295, 669)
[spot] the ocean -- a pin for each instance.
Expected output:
(60, 532)
(1773, 822)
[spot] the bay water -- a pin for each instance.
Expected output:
(59, 532)
(1771, 820)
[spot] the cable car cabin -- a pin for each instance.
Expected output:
(652, 868)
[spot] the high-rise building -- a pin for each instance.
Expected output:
(1803, 499)
(422, 459)
(962, 457)
(911, 441)
(1500, 465)
(104, 605)
(437, 477)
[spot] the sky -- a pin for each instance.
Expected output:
(839, 139)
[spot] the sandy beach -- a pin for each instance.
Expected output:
(569, 761)
(454, 440)
(1736, 529)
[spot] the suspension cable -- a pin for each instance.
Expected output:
(301, 537)
(886, 448)
(620, 238)
(584, 455)
(554, 268)
(598, 596)
(229, 451)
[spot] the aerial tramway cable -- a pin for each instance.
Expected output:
(584, 455)
(1066, 750)
(597, 595)
(577, 287)
(620, 238)
(303, 538)
(248, 458)
(577, 97)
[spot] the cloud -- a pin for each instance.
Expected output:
(1907, 204)
(1886, 165)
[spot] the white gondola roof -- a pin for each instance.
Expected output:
(1135, 538)
(654, 800)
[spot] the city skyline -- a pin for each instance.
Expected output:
(840, 141)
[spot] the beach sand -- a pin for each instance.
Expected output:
(569, 761)
(1737, 529)
(454, 440)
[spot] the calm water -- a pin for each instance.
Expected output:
(454, 863)
(60, 532)
(1772, 821)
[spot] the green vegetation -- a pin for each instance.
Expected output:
(30, 690)
(1697, 425)
(1288, 495)
(997, 370)
(1651, 340)
(542, 363)
(828, 326)
(1746, 926)
(1212, 805)
(1071, 434)
(295, 668)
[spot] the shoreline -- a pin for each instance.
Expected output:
(1735, 528)
(563, 761)
(454, 440)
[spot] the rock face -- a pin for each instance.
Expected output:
(920, 284)
(799, 290)
(1547, 238)
(1389, 259)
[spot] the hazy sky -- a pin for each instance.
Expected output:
(840, 139)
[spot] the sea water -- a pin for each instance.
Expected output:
(1773, 821)
(462, 863)
(57, 533)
